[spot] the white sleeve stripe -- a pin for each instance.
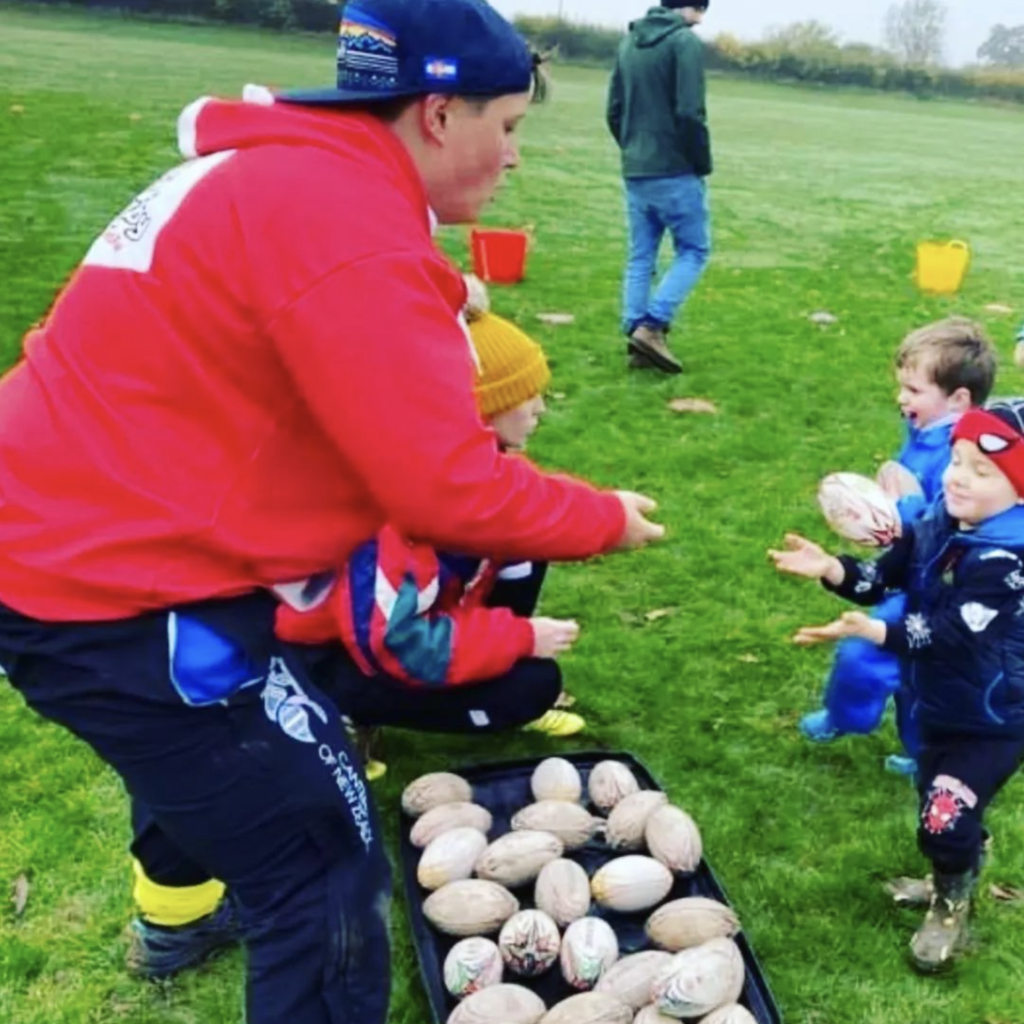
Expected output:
(187, 127)
(519, 571)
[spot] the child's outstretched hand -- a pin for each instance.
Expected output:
(848, 624)
(805, 558)
(552, 637)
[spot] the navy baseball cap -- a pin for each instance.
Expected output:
(393, 48)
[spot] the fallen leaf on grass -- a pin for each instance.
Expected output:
(17, 108)
(998, 307)
(556, 318)
(559, 395)
(693, 405)
(659, 613)
(19, 895)
(134, 117)
(822, 316)
(750, 659)
(1007, 893)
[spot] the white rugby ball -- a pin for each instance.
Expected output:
(471, 965)
(858, 509)
(529, 942)
(589, 948)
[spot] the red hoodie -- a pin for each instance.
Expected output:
(257, 364)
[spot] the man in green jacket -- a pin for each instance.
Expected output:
(657, 115)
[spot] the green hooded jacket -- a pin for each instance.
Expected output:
(656, 106)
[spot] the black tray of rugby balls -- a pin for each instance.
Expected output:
(504, 788)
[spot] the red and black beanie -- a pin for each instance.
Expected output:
(998, 431)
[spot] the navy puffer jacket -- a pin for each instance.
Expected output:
(962, 638)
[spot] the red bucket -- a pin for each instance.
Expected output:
(499, 256)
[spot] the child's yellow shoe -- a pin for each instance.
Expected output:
(375, 770)
(557, 723)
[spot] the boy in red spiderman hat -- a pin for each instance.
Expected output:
(963, 640)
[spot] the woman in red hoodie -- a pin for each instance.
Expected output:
(258, 364)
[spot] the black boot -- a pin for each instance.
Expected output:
(944, 931)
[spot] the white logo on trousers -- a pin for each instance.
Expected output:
(286, 703)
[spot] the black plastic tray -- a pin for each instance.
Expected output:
(504, 788)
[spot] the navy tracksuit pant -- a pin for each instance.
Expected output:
(957, 778)
(241, 769)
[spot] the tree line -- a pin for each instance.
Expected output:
(810, 51)
(807, 51)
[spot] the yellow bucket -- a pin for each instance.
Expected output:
(941, 266)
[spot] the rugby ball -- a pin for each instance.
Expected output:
(529, 942)
(471, 965)
(858, 509)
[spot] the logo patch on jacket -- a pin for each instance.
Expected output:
(919, 633)
(1015, 581)
(977, 617)
(129, 241)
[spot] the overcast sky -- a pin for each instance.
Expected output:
(968, 22)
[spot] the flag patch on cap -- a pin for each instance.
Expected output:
(440, 69)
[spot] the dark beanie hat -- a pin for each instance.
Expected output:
(675, 5)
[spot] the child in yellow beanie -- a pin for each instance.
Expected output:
(512, 376)
(439, 641)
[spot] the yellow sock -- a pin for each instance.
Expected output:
(172, 906)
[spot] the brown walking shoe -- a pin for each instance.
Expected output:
(639, 362)
(650, 343)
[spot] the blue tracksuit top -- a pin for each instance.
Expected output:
(925, 453)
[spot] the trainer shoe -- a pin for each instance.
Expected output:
(897, 764)
(557, 723)
(650, 343)
(158, 952)
(817, 727)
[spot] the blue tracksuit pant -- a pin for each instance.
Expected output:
(243, 764)
(862, 679)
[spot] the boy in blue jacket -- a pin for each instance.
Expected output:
(962, 635)
(942, 370)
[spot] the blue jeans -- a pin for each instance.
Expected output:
(679, 206)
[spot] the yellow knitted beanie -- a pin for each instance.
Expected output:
(513, 368)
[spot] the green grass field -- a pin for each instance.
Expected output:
(818, 200)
